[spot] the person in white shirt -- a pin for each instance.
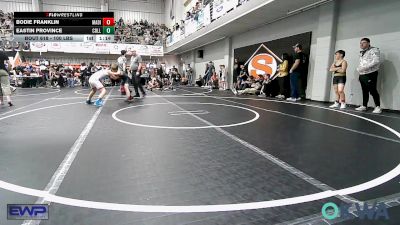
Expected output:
(222, 77)
(95, 84)
(368, 70)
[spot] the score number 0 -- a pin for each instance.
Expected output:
(108, 22)
(108, 25)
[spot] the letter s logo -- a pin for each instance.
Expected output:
(262, 64)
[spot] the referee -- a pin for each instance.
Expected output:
(136, 68)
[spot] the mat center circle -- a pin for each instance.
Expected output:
(188, 118)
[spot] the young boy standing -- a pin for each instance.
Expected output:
(96, 84)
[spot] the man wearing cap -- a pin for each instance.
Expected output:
(368, 70)
(297, 72)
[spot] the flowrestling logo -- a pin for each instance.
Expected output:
(365, 211)
(263, 63)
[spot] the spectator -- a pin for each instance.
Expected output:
(243, 76)
(90, 68)
(253, 88)
(297, 72)
(160, 72)
(70, 78)
(193, 13)
(199, 81)
(198, 6)
(267, 88)
(339, 67)
(5, 88)
(282, 77)
(153, 84)
(189, 74)
(139, 32)
(368, 69)
(93, 69)
(222, 77)
(120, 21)
(214, 81)
(184, 80)
(85, 74)
(188, 16)
(174, 73)
(236, 71)
(182, 26)
(98, 67)
(210, 69)
(176, 27)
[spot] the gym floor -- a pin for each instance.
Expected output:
(193, 147)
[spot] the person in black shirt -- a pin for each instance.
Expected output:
(5, 88)
(236, 71)
(243, 76)
(160, 72)
(297, 73)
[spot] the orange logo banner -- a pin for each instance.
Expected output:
(263, 63)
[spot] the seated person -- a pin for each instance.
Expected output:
(152, 84)
(28, 70)
(255, 86)
(53, 76)
(70, 78)
(246, 83)
(60, 80)
(184, 80)
(159, 84)
(199, 81)
(267, 88)
(214, 81)
(178, 78)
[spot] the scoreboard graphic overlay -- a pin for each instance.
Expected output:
(64, 26)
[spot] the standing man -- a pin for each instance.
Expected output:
(236, 71)
(243, 76)
(124, 76)
(136, 68)
(209, 72)
(5, 88)
(368, 70)
(174, 70)
(189, 75)
(297, 72)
